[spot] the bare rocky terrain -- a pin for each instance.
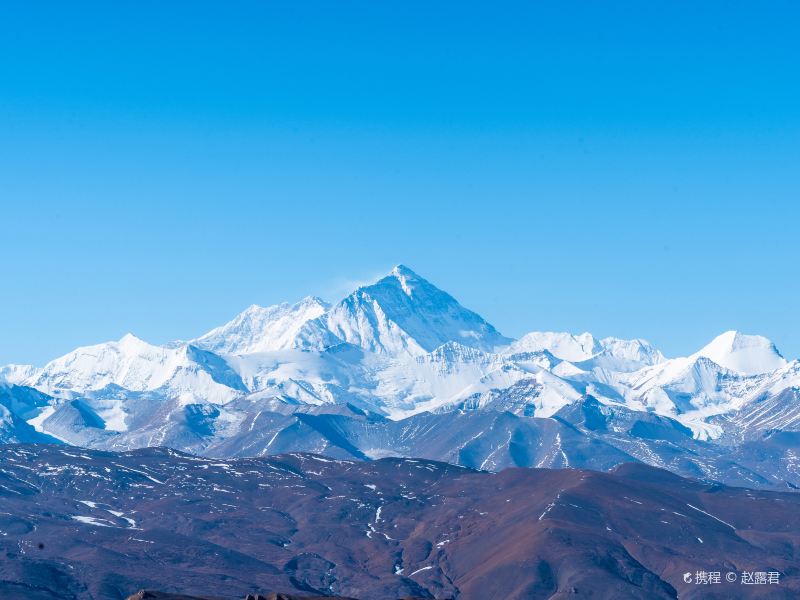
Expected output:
(151, 595)
(84, 524)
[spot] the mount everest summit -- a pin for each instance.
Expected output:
(399, 367)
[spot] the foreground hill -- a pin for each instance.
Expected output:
(81, 524)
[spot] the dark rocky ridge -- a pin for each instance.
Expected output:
(81, 524)
(151, 595)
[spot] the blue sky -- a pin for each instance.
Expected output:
(626, 168)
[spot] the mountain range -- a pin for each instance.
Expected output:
(401, 368)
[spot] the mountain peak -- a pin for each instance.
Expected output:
(404, 313)
(129, 340)
(743, 353)
(406, 277)
(736, 340)
(252, 309)
(401, 270)
(313, 301)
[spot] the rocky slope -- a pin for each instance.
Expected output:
(89, 524)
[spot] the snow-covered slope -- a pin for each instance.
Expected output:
(623, 355)
(133, 364)
(745, 354)
(442, 378)
(262, 329)
(396, 348)
(565, 346)
(16, 373)
(18, 406)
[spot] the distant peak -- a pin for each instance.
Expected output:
(257, 309)
(743, 353)
(728, 337)
(129, 338)
(403, 271)
(400, 273)
(406, 277)
(736, 340)
(132, 343)
(253, 308)
(313, 301)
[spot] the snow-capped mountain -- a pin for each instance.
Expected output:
(133, 364)
(399, 349)
(745, 354)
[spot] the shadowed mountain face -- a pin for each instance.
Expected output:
(81, 524)
(586, 434)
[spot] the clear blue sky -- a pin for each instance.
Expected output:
(628, 168)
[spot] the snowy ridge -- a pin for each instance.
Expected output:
(589, 353)
(565, 346)
(16, 373)
(135, 365)
(262, 329)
